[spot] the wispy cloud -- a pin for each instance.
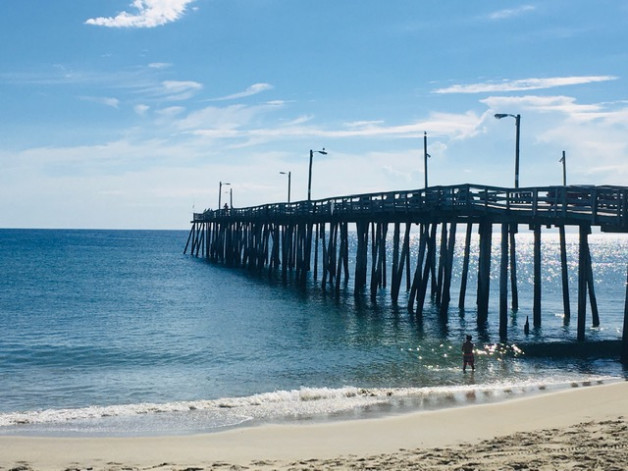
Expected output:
(565, 105)
(174, 90)
(147, 14)
(234, 122)
(252, 90)
(511, 12)
(524, 84)
(159, 65)
(141, 110)
(107, 101)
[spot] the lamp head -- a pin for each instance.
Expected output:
(501, 115)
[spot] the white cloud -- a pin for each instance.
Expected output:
(159, 65)
(107, 101)
(210, 119)
(149, 14)
(141, 109)
(511, 12)
(180, 89)
(252, 90)
(563, 104)
(170, 112)
(525, 84)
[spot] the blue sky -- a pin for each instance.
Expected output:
(128, 113)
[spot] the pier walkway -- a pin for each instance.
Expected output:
(312, 236)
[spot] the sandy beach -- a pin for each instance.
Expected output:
(579, 428)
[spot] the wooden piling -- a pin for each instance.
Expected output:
(189, 238)
(484, 270)
(624, 343)
(428, 268)
(503, 285)
(565, 275)
(595, 316)
(465, 266)
(394, 285)
(324, 255)
(513, 268)
(407, 254)
(536, 308)
(361, 257)
(584, 231)
(442, 263)
(343, 256)
(316, 243)
(449, 259)
(418, 273)
(404, 260)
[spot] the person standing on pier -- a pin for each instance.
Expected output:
(467, 354)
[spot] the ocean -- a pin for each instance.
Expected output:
(118, 333)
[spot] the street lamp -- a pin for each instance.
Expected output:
(309, 180)
(564, 161)
(289, 182)
(220, 184)
(425, 156)
(518, 126)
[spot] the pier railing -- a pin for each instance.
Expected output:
(605, 206)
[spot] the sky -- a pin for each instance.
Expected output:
(128, 114)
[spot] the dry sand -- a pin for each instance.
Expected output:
(580, 428)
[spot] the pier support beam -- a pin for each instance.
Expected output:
(465, 266)
(513, 268)
(430, 234)
(624, 348)
(536, 310)
(565, 275)
(582, 279)
(484, 270)
(419, 273)
(447, 273)
(503, 286)
(362, 233)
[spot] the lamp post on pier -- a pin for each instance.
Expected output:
(564, 161)
(289, 182)
(513, 227)
(425, 156)
(309, 180)
(518, 127)
(220, 184)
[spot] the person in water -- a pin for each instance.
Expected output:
(467, 354)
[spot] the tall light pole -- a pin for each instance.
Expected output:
(564, 161)
(425, 156)
(518, 126)
(220, 184)
(289, 182)
(309, 180)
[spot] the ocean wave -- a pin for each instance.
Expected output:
(301, 403)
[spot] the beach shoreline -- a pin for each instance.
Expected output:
(599, 410)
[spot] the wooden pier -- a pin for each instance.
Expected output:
(308, 236)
